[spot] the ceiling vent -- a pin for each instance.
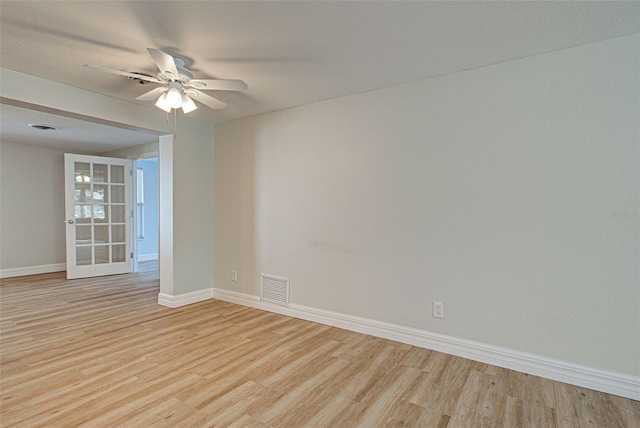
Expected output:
(42, 127)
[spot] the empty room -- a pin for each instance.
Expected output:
(319, 214)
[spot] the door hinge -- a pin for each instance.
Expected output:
(130, 172)
(131, 214)
(131, 255)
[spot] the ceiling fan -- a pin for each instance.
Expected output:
(179, 88)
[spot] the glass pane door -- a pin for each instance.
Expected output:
(98, 229)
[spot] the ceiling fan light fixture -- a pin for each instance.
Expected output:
(187, 104)
(163, 104)
(174, 98)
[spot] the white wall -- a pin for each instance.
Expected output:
(190, 198)
(490, 190)
(32, 229)
(134, 152)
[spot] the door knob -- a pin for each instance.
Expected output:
(70, 221)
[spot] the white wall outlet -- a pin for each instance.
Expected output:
(438, 310)
(234, 275)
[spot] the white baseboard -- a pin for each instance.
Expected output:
(184, 299)
(32, 270)
(621, 384)
(147, 257)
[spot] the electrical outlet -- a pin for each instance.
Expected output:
(438, 310)
(234, 275)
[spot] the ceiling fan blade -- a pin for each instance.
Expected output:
(205, 99)
(217, 85)
(123, 73)
(165, 62)
(153, 94)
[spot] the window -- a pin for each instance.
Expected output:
(140, 207)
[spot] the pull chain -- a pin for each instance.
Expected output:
(175, 124)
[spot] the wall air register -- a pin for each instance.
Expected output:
(275, 289)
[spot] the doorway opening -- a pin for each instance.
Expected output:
(146, 230)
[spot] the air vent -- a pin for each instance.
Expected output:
(275, 289)
(42, 127)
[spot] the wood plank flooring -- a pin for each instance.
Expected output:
(101, 352)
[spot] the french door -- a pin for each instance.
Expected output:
(98, 215)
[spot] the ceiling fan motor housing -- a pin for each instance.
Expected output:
(141, 73)
(184, 75)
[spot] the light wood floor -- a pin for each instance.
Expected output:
(101, 352)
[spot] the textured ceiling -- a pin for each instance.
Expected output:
(292, 53)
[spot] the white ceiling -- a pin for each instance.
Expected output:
(71, 134)
(292, 53)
